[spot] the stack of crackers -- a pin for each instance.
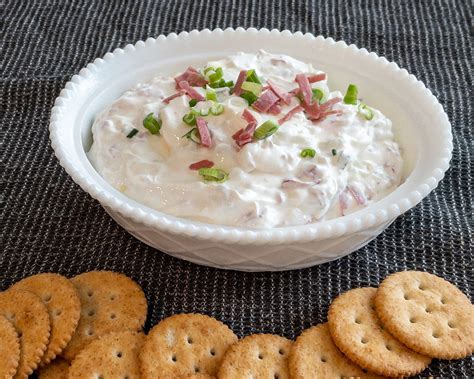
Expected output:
(91, 326)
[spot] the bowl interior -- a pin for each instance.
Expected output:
(417, 130)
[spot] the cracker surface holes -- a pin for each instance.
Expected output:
(429, 331)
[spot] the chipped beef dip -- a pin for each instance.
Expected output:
(252, 140)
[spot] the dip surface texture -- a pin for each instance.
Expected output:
(269, 184)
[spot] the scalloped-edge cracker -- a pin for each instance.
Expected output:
(64, 308)
(57, 369)
(257, 356)
(9, 348)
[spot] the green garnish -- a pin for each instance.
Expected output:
(217, 109)
(190, 118)
(249, 96)
(334, 152)
(252, 77)
(192, 102)
(213, 175)
(265, 130)
(255, 88)
(308, 153)
(193, 135)
(152, 124)
(221, 83)
(211, 94)
(365, 111)
(207, 69)
(216, 75)
(351, 95)
(204, 112)
(132, 133)
(317, 94)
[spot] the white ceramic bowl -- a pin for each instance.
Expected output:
(422, 129)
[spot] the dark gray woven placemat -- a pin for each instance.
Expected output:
(49, 224)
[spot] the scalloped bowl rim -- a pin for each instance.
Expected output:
(360, 220)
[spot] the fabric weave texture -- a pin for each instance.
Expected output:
(49, 224)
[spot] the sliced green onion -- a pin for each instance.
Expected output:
(255, 88)
(334, 152)
(365, 111)
(192, 103)
(351, 95)
(308, 153)
(230, 83)
(152, 124)
(218, 84)
(216, 75)
(252, 77)
(213, 174)
(265, 130)
(132, 133)
(207, 69)
(204, 112)
(217, 109)
(190, 118)
(249, 96)
(317, 94)
(193, 135)
(210, 94)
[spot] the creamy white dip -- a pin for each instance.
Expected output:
(356, 163)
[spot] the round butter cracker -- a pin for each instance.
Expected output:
(257, 356)
(64, 308)
(427, 313)
(9, 348)
(114, 355)
(185, 344)
(359, 334)
(30, 319)
(314, 355)
(57, 369)
(110, 302)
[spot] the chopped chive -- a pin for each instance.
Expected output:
(213, 175)
(265, 130)
(207, 69)
(204, 112)
(132, 133)
(217, 109)
(211, 94)
(255, 88)
(152, 124)
(216, 75)
(308, 153)
(365, 111)
(351, 95)
(249, 96)
(192, 103)
(334, 152)
(230, 83)
(190, 118)
(318, 94)
(193, 135)
(218, 84)
(253, 77)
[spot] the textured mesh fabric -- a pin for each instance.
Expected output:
(49, 224)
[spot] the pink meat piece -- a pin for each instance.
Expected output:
(201, 164)
(281, 93)
(204, 132)
(244, 136)
(174, 96)
(265, 101)
(275, 109)
(328, 104)
(192, 93)
(290, 114)
(316, 78)
(305, 87)
(238, 84)
(357, 195)
(248, 116)
(192, 76)
(343, 202)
